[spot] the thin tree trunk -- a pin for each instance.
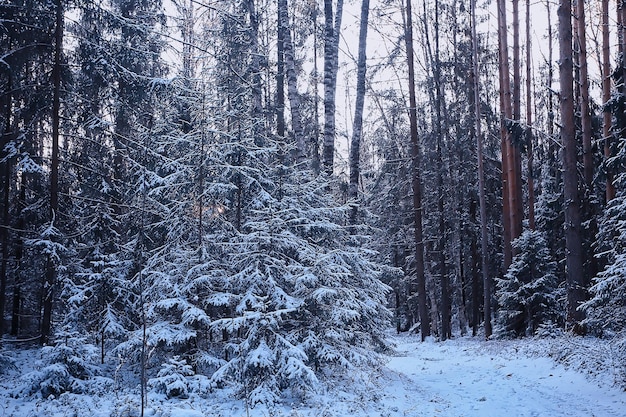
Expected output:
(550, 126)
(46, 321)
(481, 188)
(606, 97)
(446, 308)
(584, 98)
(505, 113)
(315, 153)
(6, 187)
(416, 182)
(573, 241)
(529, 123)
(19, 254)
(357, 129)
(331, 66)
(515, 158)
(280, 78)
(292, 82)
(256, 108)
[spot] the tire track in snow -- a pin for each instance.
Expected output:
(461, 378)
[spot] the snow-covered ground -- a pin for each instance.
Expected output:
(465, 377)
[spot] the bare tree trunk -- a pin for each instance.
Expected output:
(315, 153)
(292, 82)
(280, 79)
(481, 187)
(529, 123)
(416, 182)
(515, 158)
(505, 113)
(446, 308)
(573, 241)
(584, 98)
(606, 97)
(550, 126)
(6, 187)
(357, 129)
(331, 66)
(256, 108)
(46, 320)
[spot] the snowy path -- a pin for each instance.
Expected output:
(460, 379)
(466, 377)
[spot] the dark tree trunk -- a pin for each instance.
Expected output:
(529, 123)
(292, 82)
(280, 78)
(48, 293)
(481, 192)
(606, 97)
(505, 113)
(573, 241)
(6, 188)
(446, 305)
(585, 112)
(331, 65)
(357, 127)
(515, 157)
(416, 182)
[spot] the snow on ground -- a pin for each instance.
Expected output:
(465, 377)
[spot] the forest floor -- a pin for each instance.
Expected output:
(463, 377)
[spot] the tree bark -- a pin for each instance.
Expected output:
(357, 127)
(280, 78)
(505, 113)
(606, 97)
(529, 123)
(416, 182)
(446, 307)
(50, 278)
(515, 158)
(585, 112)
(573, 241)
(292, 82)
(481, 189)
(331, 66)
(6, 212)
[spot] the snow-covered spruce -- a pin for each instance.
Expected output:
(528, 293)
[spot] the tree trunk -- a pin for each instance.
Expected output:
(416, 182)
(552, 145)
(256, 108)
(515, 158)
(46, 320)
(573, 241)
(606, 97)
(585, 112)
(481, 189)
(446, 307)
(331, 66)
(292, 82)
(505, 113)
(280, 77)
(529, 123)
(315, 153)
(357, 129)
(6, 212)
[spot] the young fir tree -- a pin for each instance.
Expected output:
(606, 309)
(528, 295)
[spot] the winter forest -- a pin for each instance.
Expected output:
(254, 201)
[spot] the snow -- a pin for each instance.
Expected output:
(464, 377)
